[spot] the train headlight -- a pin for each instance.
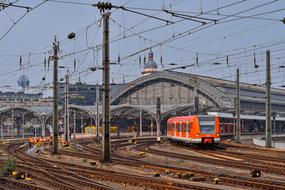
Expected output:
(197, 135)
(218, 134)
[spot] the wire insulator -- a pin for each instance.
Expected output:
(140, 61)
(197, 59)
(119, 59)
(20, 62)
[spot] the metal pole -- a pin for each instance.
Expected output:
(43, 127)
(238, 109)
(66, 114)
(151, 127)
(82, 125)
(274, 124)
(74, 123)
(140, 122)
(1, 132)
(23, 126)
(234, 120)
(12, 115)
(97, 111)
(196, 101)
(106, 80)
(158, 118)
(55, 94)
(268, 102)
(91, 125)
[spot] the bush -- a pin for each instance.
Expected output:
(8, 166)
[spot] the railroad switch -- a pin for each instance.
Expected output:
(179, 175)
(21, 175)
(142, 154)
(93, 163)
(167, 172)
(216, 180)
(255, 173)
(65, 144)
(187, 175)
(134, 141)
(198, 178)
(156, 174)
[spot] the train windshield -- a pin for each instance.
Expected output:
(207, 124)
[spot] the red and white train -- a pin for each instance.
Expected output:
(197, 129)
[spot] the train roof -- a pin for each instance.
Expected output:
(243, 116)
(183, 118)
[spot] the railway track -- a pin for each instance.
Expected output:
(70, 176)
(14, 184)
(229, 179)
(249, 158)
(50, 178)
(225, 178)
(227, 163)
(254, 148)
(66, 176)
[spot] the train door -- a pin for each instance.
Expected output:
(187, 130)
(184, 130)
(180, 129)
(174, 129)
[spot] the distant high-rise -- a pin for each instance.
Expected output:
(24, 82)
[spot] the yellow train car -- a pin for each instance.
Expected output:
(92, 129)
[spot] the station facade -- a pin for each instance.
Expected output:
(134, 103)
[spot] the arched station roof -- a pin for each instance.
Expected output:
(203, 87)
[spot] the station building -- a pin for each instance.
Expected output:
(183, 94)
(135, 103)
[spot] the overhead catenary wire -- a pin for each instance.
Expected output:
(197, 29)
(17, 21)
(200, 60)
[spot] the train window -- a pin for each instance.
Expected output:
(184, 127)
(187, 127)
(207, 125)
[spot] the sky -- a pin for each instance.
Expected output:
(211, 38)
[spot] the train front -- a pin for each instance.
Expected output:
(209, 129)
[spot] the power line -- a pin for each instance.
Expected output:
(33, 8)
(70, 2)
(243, 16)
(5, 5)
(196, 29)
